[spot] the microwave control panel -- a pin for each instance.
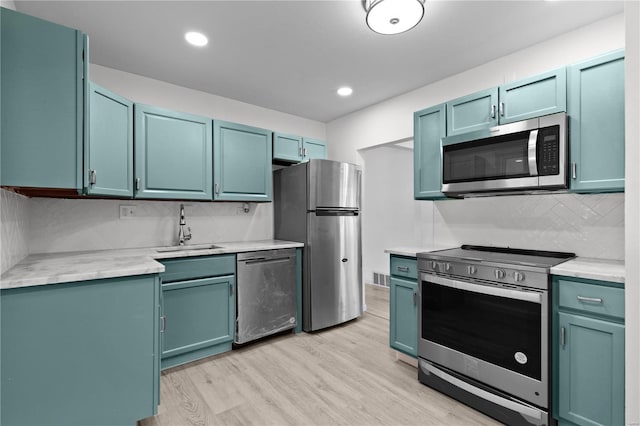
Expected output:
(548, 151)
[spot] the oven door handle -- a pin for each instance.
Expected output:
(527, 296)
(524, 410)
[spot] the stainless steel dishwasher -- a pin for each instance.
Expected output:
(266, 293)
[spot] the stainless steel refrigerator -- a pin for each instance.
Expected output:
(318, 203)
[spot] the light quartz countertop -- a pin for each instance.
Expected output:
(412, 251)
(42, 269)
(593, 269)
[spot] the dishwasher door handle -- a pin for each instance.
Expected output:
(263, 260)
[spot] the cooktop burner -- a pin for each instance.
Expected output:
(504, 255)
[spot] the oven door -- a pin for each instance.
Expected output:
(493, 334)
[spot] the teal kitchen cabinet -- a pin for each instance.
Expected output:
(242, 162)
(44, 71)
(296, 149)
(403, 299)
(429, 127)
(472, 112)
(596, 120)
(198, 304)
(81, 353)
(313, 148)
(173, 154)
(531, 97)
(109, 151)
(542, 94)
(588, 351)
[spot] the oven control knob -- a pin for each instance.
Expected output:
(500, 274)
(434, 265)
(471, 270)
(447, 267)
(518, 276)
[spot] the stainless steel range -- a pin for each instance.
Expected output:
(484, 329)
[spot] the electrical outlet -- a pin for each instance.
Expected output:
(127, 212)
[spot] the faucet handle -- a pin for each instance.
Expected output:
(188, 235)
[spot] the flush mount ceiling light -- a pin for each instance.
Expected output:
(345, 91)
(393, 16)
(196, 39)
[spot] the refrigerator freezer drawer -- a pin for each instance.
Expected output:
(332, 291)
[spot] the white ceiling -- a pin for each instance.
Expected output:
(291, 56)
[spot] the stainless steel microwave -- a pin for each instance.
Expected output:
(530, 155)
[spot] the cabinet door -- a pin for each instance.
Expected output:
(313, 148)
(403, 316)
(542, 94)
(80, 353)
(109, 151)
(428, 129)
(596, 120)
(199, 314)
(473, 112)
(43, 93)
(172, 154)
(242, 162)
(591, 371)
(287, 147)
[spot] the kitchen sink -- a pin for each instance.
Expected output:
(189, 248)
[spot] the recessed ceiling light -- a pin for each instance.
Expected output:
(345, 91)
(197, 39)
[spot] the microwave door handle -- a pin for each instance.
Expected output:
(532, 152)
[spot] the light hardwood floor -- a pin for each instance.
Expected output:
(346, 375)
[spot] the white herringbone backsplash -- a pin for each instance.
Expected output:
(588, 225)
(14, 223)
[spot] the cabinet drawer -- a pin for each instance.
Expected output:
(597, 299)
(198, 267)
(404, 267)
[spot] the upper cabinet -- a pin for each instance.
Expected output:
(109, 151)
(296, 149)
(43, 86)
(596, 119)
(472, 112)
(429, 128)
(173, 158)
(535, 96)
(242, 162)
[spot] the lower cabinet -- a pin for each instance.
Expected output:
(81, 353)
(588, 352)
(198, 308)
(403, 296)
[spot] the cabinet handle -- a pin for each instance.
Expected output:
(300, 152)
(403, 268)
(163, 323)
(230, 290)
(415, 298)
(138, 184)
(92, 177)
(562, 337)
(217, 188)
(493, 111)
(501, 109)
(596, 300)
(574, 170)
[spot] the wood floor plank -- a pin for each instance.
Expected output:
(345, 375)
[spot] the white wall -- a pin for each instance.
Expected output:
(13, 229)
(392, 120)
(159, 93)
(389, 212)
(9, 4)
(632, 213)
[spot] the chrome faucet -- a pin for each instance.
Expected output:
(182, 236)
